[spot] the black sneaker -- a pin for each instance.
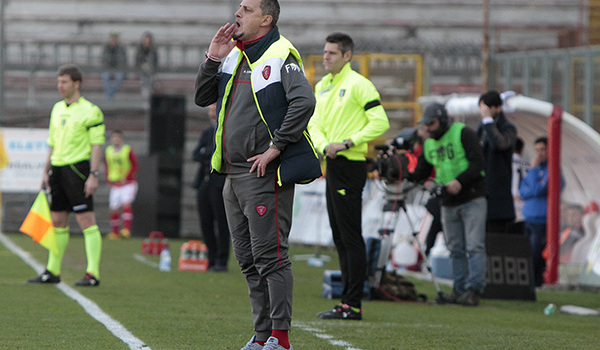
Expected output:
(218, 268)
(450, 298)
(45, 277)
(340, 312)
(88, 281)
(469, 298)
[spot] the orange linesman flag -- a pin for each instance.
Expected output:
(38, 224)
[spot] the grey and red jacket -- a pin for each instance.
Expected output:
(262, 95)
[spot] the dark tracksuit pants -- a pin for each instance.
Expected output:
(259, 214)
(209, 199)
(345, 182)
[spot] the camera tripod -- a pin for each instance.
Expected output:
(394, 203)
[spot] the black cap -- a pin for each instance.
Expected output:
(432, 112)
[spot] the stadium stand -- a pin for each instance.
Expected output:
(42, 34)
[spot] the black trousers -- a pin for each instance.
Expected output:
(345, 182)
(433, 206)
(537, 236)
(211, 209)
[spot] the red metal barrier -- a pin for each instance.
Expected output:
(553, 220)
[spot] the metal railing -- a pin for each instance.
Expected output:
(412, 74)
(48, 55)
(399, 78)
(567, 78)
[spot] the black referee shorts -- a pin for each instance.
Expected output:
(67, 188)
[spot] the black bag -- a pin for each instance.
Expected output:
(394, 287)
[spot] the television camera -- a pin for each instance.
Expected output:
(395, 160)
(393, 164)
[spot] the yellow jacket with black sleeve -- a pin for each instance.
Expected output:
(73, 130)
(348, 107)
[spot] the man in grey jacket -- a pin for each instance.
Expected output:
(264, 103)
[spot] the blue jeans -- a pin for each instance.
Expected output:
(464, 227)
(537, 236)
(111, 87)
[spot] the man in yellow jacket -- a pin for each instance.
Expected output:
(348, 115)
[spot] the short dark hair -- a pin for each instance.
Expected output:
(72, 71)
(519, 144)
(542, 139)
(344, 41)
(491, 98)
(271, 8)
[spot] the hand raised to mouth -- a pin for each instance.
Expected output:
(221, 44)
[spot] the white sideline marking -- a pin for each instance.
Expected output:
(319, 333)
(139, 257)
(89, 306)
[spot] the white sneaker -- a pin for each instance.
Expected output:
(251, 345)
(273, 344)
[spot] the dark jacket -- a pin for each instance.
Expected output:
(498, 142)
(114, 58)
(146, 59)
(202, 154)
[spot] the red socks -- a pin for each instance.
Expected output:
(282, 336)
(127, 217)
(115, 222)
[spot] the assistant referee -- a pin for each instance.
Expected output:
(75, 140)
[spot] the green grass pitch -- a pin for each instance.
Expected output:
(205, 310)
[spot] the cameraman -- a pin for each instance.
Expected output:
(454, 151)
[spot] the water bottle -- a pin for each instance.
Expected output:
(550, 309)
(165, 260)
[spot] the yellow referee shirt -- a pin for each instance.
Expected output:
(73, 130)
(348, 107)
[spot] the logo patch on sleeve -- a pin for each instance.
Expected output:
(266, 72)
(261, 209)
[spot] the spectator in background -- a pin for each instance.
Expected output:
(498, 136)
(114, 65)
(209, 198)
(146, 62)
(120, 163)
(573, 233)
(580, 252)
(534, 191)
(519, 169)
